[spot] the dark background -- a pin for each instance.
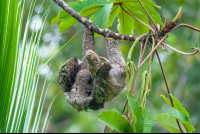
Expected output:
(182, 72)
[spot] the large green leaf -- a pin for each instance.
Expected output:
(184, 120)
(149, 2)
(19, 88)
(178, 114)
(85, 8)
(125, 23)
(115, 11)
(168, 122)
(105, 16)
(134, 8)
(9, 43)
(135, 107)
(101, 16)
(147, 121)
(115, 121)
(71, 21)
(178, 106)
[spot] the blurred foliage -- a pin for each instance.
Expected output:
(182, 72)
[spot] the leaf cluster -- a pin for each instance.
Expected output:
(140, 122)
(168, 120)
(103, 14)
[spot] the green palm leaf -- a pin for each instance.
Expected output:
(18, 87)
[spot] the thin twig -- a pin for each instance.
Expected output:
(191, 27)
(167, 87)
(180, 51)
(134, 85)
(153, 50)
(186, 25)
(148, 15)
(137, 19)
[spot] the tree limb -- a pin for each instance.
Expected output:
(92, 26)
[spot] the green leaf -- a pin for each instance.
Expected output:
(71, 21)
(135, 107)
(56, 20)
(101, 16)
(179, 115)
(139, 27)
(168, 122)
(19, 94)
(166, 99)
(178, 106)
(125, 23)
(151, 3)
(147, 121)
(154, 14)
(195, 46)
(63, 15)
(115, 121)
(85, 8)
(115, 11)
(189, 127)
(178, 112)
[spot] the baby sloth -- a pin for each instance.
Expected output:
(89, 83)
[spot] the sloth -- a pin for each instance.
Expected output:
(89, 83)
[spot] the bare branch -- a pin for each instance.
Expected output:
(179, 51)
(92, 26)
(186, 25)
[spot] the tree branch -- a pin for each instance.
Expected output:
(180, 51)
(92, 26)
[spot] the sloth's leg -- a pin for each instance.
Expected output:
(114, 54)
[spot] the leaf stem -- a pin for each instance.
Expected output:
(148, 15)
(167, 87)
(186, 25)
(179, 51)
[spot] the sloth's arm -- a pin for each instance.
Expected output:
(114, 54)
(88, 43)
